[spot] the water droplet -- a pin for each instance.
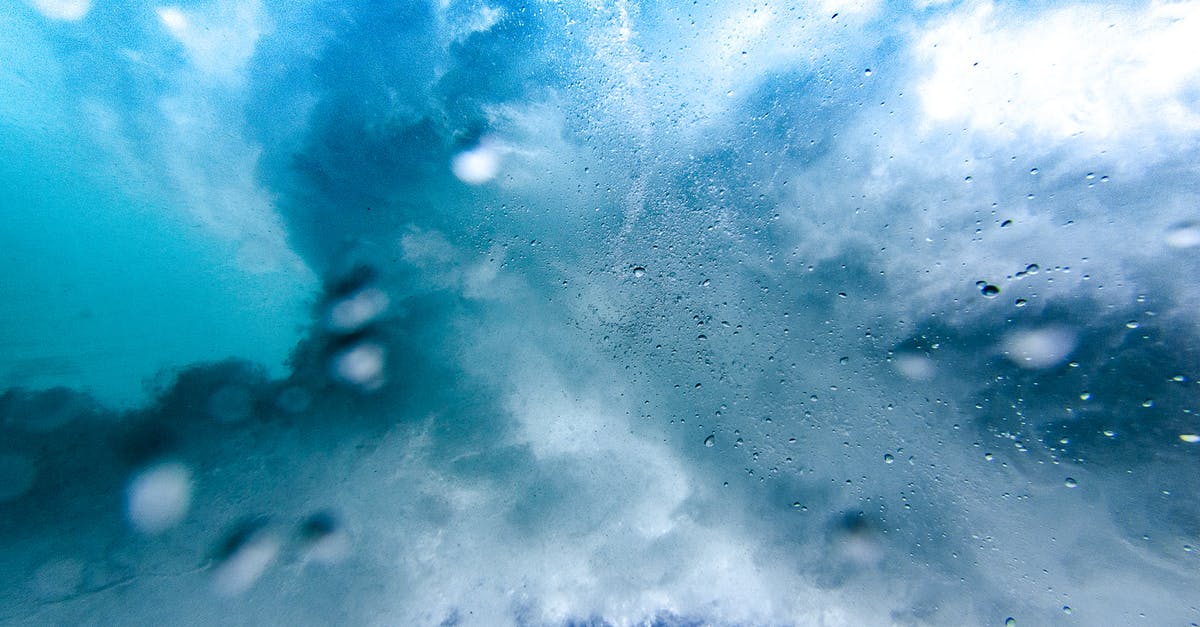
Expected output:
(158, 497)
(888, 459)
(988, 456)
(1032, 268)
(1109, 433)
(1148, 403)
(1184, 235)
(1039, 348)
(1086, 396)
(1071, 482)
(323, 537)
(361, 365)
(356, 310)
(243, 556)
(477, 165)
(1020, 302)
(989, 290)
(1133, 324)
(639, 272)
(867, 72)
(1010, 621)
(710, 441)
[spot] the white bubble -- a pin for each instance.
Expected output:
(1039, 348)
(294, 400)
(158, 497)
(67, 10)
(246, 564)
(478, 165)
(1184, 235)
(16, 476)
(357, 310)
(361, 365)
(324, 538)
(915, 367)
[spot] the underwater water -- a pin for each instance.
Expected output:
(603, 312)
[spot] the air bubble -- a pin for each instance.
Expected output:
(1183, 235)
(888, 459)
(158, 497)
(1190, 438)
(710, 441)
(989, 290)
(639, 272)
(1070, 482)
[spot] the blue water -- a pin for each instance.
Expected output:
(485, 313)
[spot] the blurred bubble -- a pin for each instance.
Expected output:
(857, 540)
(1183, 235)
(324, 538)
(231, 403)
(243, 557)
(357, 310)
(914, 367)
(1039, 348)
(1190, 438)
(360, 365)
(16, 476)
(66, 10)
(477, 165)
(294, 400)
(158, 497)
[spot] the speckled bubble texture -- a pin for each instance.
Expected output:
(599, 312)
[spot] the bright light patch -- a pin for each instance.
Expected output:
(477, 165)
(66, 10)
(173, 19)
(1076, 71)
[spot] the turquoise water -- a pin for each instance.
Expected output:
(599, 313)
